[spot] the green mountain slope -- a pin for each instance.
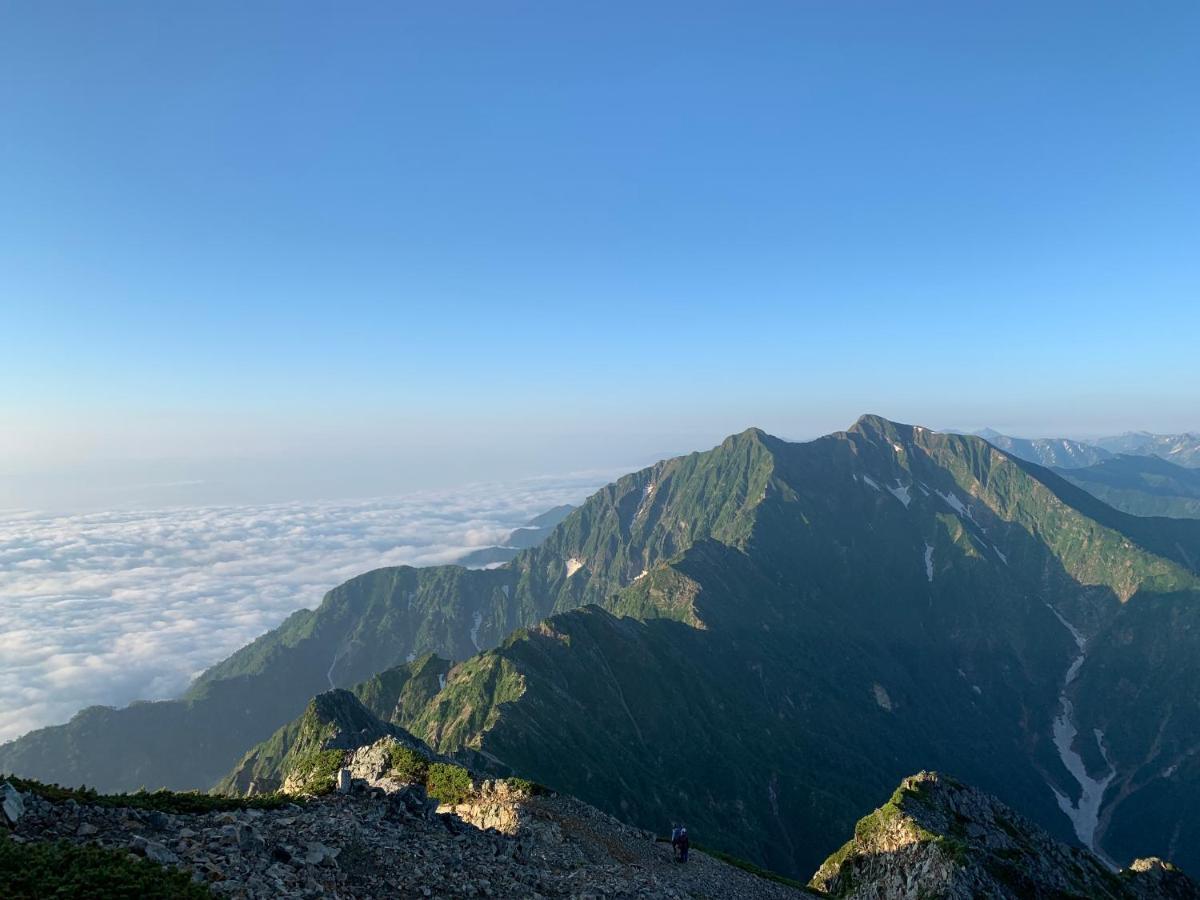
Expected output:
(865, 605)
(1142, 486)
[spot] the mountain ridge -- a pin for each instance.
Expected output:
(846, 597)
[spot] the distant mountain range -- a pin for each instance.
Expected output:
(1139, 473)
(1065, 453)
(1182, 449)
(529, 535)
(1060, 453)
(761, 639)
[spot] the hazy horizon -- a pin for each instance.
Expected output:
(150, 484)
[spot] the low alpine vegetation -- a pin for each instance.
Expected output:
(450, 784)
(161, 800)
(315, 772)
(35, 870)
(527, 788)
(408, 765)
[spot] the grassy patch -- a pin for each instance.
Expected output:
(38, 870)
(163, 800)
(449, 784)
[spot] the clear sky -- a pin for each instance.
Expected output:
(340, 249)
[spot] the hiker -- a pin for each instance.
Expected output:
(680, 843)
(675, 841)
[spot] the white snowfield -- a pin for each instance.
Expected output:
(900, 492)
(955, 504)
(1084, 814)
(475, 629)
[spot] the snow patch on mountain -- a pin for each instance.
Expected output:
(1085, 813)
(900, 492)
(882, 697)
(955, 504)
(647, 499)
(475, 630)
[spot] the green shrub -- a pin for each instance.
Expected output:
(161, 800)
(408, 765)
(38, 870)
(449, 784)
(315, 772)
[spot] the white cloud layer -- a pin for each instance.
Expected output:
(105, 608)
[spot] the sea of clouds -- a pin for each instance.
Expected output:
(105, 608)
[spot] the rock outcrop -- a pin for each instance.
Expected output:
(11, 804)
(937, 837)
(301, 755)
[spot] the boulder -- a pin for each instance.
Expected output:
(12, 802)
(153, 851)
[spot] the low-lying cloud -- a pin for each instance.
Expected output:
(105, 608)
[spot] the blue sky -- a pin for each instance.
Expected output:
(345, 249)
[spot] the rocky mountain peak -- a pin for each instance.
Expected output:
(938, 837)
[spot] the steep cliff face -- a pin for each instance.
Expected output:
(937, 837)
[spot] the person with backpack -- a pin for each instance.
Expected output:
(675, 841)
(680, 842)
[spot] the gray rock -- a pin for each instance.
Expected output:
(247, 838)
(153, 851)
(344, 781)
(13, 803)
(317, 854)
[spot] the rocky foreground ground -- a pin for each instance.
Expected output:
(377, 842)
(379, 836)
